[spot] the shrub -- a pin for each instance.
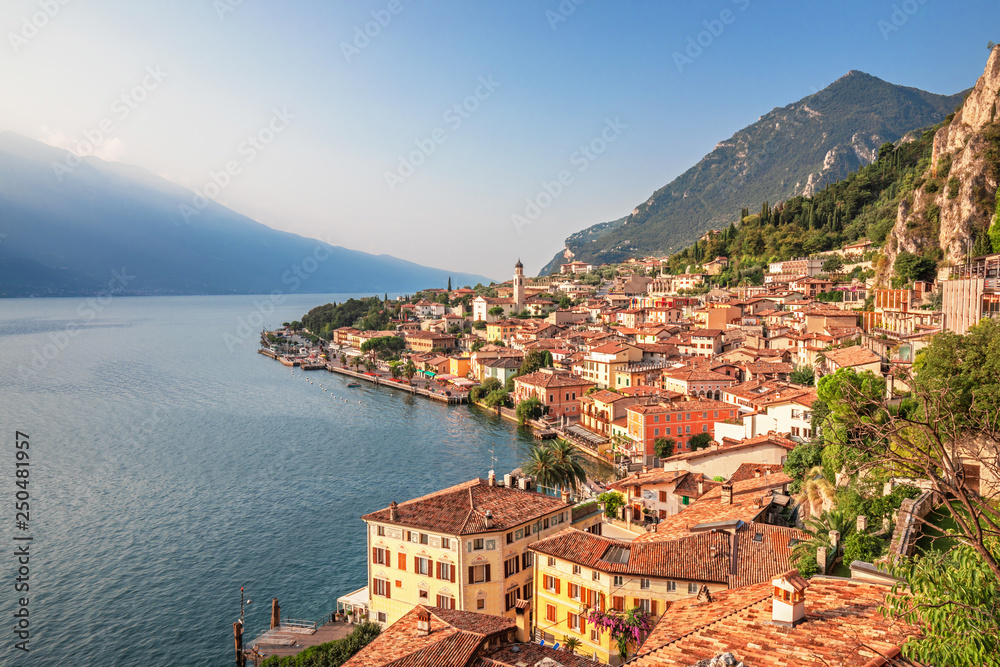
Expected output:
(953, 186)
(862, 546)
(613, 501)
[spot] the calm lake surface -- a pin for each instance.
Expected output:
(171, 464)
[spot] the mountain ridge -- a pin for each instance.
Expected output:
(793, 149)
(67, 231)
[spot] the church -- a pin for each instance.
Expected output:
(481, 305)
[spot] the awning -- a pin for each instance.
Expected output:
(358, 598)
(446, 376)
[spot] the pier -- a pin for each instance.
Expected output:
(454, 399)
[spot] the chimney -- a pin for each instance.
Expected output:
(423, 622)
(701, 486)
(275, 614)
(393, 512)
(645, 468)
(756, 472)
(704, 595)
(821, 559)
(564, 495)
(862, 523)
(727, 494)
(489, 519)
(509, 480)
(788, 602)
(491, 479)
(523, 624)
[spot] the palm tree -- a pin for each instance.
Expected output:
(570, 644)
(541, 465)
(817, 493)
(568, 462)
(409, 370)
(394, 369)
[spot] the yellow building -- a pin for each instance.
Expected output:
(459, 366)
(577, 572)
(465, 547)
(502, 330)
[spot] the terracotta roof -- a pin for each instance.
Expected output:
(852, 356)
(750, 499)
(609, 348)
(658, 476)
(842, 627)
(544, 378)
(702, 557)
(605, 396)
(689, 485)
(683, 406)
(455, 639)
(750, 470)
(461, 509)
(533, 654)
(729, 445)
(688, 375)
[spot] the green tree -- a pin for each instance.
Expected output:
(955, 599)
(803, 375)
(495, 311)
(664, 447)
(496, 399)
(568, 463)
(541, 465)
(864, 547)
(909, 267)
(530, 408)
(409, 370)
(570, 644)
(832, 264)
(612, 501)
(700, 441)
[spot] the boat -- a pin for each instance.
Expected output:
(353, 384)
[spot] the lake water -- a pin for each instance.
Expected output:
(171, 464)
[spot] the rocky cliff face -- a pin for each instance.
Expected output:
(954, 202)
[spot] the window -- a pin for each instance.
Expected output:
(527, 560)
(666, 431)
(687, 416)
(445, 601)
(382, 618)
(422, 565)
(480, 604)
(663, 496)
(577, 569)
(666, 418)
(550, 613)
(687, 429)
(692, 588)
(704, 415)
(552, 398)
(380, 556)
(552, 561)
(445, 543)
(656, 419)
(380, 587)
(380, 531)
(478, 544)
(549, 583)
(510, 599)
(479, 574)
(510, 538)
(423, 595)
(671, 586)
(424, 539)
(704, 428)
(595, 636)
(644, 584)
(643, 603)
(511, 566)
(716, 414)
(595, 575)
(619, 581)
(574, 622)
(574, 591)
(656, 431)
(528, 590)
(618, 602)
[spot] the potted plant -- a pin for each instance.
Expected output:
(350, 614)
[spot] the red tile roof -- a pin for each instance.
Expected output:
(456, 637)
(532, 654)
(545, 378)
(461, 509)
(842, 627)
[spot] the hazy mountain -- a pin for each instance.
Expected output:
(791, 150)
(64, 232)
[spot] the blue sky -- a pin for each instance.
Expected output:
(375, 155)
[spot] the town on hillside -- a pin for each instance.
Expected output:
(747, 515)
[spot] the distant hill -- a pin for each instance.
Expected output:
(65, 237)
(792, 150)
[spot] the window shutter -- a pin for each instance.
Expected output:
(488, 578)
(430, 567)
(569, 619)
(388, 589)
(557, 584)
(472, 574)
(453, 568)
(402, 561)
(652, 607)
(601, 599)
(619, 603)
(637, 602)
(374, 554)
(583, 625)
(437, 573)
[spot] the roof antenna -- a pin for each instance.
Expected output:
(493, 458)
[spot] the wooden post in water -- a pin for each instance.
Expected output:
(275, 613)
(241, 659)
